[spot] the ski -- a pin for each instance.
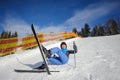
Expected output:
(31, 71)
(39, 45)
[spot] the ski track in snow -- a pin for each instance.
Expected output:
(98, 58)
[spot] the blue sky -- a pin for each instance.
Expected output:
(54, 15)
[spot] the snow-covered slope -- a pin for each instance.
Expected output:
(97, 59)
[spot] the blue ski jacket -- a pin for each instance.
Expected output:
(62, 59)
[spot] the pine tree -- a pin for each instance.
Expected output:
(9, 35)
(4, 35)
(15, 34)
(94, 31)
(75, 31)
(112, 27)
(101, 31)
(86, 30)
(82, 32)
(79, 33)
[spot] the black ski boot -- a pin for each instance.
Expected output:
(42, 67)
(46, 52)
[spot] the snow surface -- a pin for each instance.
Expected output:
(97, 59)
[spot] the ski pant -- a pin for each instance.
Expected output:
(62, 59)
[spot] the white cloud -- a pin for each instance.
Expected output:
(87, 15)
(91, 13)
(18, 25)
(22, 28)
(52, 28)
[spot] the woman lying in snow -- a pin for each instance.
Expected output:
(58, 56)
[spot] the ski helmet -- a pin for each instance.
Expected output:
(63, 43)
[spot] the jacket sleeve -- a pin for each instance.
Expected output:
(70, 51)
(73, 51)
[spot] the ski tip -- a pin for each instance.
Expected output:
(32, 27)
(16, 70)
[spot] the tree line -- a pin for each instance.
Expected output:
(6, 34)
(111, 27)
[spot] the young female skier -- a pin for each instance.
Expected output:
(57, 56)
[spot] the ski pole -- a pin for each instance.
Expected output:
(75, 48)
(74, 59)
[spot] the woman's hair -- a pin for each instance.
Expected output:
(63, 43)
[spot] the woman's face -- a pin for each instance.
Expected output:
(64, 46)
